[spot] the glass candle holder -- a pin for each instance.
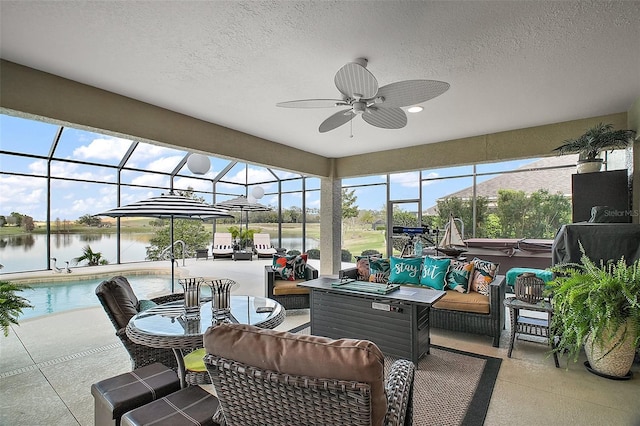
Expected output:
(191, 288)
(221, 299)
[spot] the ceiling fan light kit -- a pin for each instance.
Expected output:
(379, 106)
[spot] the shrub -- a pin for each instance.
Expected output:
(315, 254)
(371, 253)
(293, 253)
(11, 304)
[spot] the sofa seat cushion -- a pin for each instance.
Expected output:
(284, 287)
(466, 302)
(304, 355)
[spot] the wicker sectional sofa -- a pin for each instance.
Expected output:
(466, 312)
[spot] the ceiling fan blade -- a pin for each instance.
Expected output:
(355, 81)
(336, 120)
(411, 92)
(385, 118)
(312, 103)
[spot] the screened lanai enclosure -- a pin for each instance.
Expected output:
(54, 178)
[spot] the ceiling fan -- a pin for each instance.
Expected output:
(380, 107)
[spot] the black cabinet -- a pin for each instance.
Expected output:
(609, 189)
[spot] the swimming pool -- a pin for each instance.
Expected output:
(48, 298)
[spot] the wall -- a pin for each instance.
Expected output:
(515, 144)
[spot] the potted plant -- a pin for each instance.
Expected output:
(598, 307)
(243, 237)
(590, 144)
(11, 305)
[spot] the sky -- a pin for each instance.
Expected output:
(70, 199)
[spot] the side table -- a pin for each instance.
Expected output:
(242, 255)
(529, 325)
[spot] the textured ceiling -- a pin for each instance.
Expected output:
(511, 64)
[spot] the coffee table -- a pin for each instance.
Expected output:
(163, 327)
(397, 322)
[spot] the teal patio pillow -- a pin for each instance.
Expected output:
(379, 270)
(144, 304)
(405, 270)
(434, 272)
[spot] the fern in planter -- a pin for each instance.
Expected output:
(11, 305)
(594, 300)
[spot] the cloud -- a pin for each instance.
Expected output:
(183, 183)
(103, 149)
(239, 177)
(260, 175)
(408, 179)
(151, 179)
(23, 195)
(431, 175)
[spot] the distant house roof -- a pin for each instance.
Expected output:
(528, 180)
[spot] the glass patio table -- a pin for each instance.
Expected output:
(164, 327)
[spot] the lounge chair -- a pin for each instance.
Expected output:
(262, 245)
(222, 245)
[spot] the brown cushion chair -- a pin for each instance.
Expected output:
(121, 304)
(264, 377)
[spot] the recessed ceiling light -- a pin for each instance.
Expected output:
(415, 109)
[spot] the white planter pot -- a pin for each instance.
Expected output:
(589, 166)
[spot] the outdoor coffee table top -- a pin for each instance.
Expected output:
(412, 294)
(163, 327)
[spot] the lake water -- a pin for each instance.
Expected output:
(29, 252)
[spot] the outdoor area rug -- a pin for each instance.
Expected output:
(451, 387)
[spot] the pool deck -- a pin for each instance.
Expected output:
(48, 363)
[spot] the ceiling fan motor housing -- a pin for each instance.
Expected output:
(359, 107)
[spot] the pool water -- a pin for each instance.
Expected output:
(48, 298)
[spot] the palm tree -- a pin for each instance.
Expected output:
(92, 258)
(11, 305)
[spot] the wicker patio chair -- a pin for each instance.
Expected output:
(121, 304)
(271, 377)
(286, 292)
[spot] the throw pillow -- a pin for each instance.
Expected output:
(300, 266)
(405, 270)
(483, 273)
(290, 267)
(285, 267)
(458, 276)
(363, 270)
(434, 272)
(143, 304)
(380, 270)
